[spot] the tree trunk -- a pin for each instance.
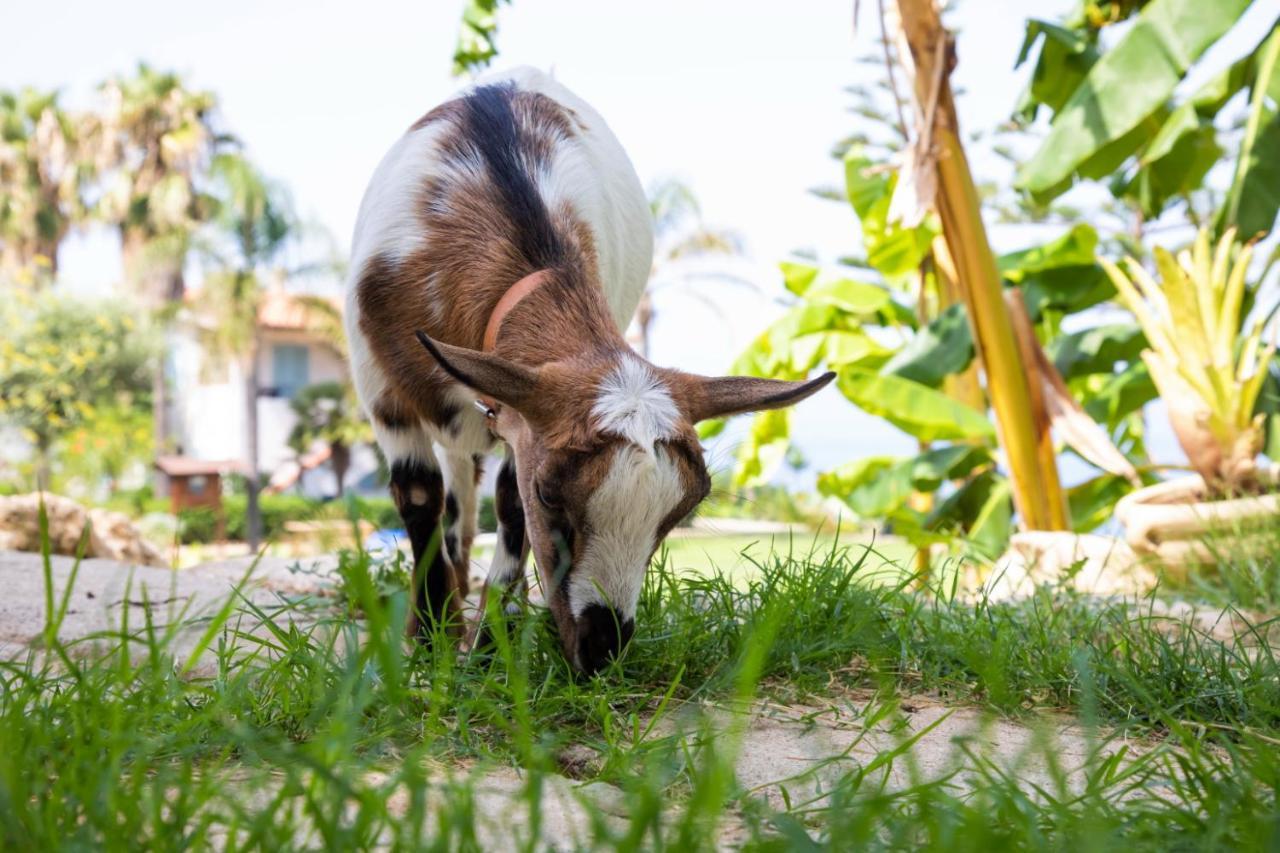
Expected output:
(160, 416)
(1024, 435)
(158, 283)
(340, 459)
(253, 513)
(47, 248)
(44, 471)
(19, 258)
(152, 274)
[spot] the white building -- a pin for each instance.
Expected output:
(208, 403)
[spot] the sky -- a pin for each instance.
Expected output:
(741, 99)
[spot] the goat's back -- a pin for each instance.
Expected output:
(585, 171)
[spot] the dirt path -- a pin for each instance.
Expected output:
(799, 750)
(104, 589)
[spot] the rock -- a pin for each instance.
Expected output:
(112, 536)
(1099, 565)
(579, 761)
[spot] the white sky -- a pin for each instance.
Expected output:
(741, 98)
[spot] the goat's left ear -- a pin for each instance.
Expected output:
(504, 381)
(704, 397)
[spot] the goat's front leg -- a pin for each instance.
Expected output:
(418, 490)
(506, 573)
(463, 471)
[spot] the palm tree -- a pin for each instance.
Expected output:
(679, 234)
(254, 223)
(328, 412)
(43, 171)
(154, 142)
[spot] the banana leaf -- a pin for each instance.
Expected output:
(942, 348)
(1127, 85)
(917, 409)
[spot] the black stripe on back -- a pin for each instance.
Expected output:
(492, 128)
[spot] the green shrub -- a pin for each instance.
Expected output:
(198, 526)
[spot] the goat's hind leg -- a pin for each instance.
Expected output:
(417, 486)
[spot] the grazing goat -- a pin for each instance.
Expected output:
(501, 247)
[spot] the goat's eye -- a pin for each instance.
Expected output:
(548, 499)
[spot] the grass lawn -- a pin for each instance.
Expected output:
(887, 559)
(739, 556)
(325, 731)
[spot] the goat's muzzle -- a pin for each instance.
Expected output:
(602, 635)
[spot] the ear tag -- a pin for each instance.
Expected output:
(486, 410)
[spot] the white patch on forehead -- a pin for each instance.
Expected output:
(624, 512)
(634, 404)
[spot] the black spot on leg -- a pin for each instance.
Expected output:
(451, 516)
(444, 414)
(508, 508)
(418, 491)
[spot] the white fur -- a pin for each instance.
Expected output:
(640, 490)
(505, 568)
(399, 445)
(388, 222)
(634, 404)
(460, 481)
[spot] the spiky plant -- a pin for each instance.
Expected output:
(1193, 318)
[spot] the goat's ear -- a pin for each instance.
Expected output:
(706, 397)
(508, 383)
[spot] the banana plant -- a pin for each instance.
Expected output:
(1205, 358)
(1118, 115)
(882, 326)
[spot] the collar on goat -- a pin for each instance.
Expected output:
(509, 301)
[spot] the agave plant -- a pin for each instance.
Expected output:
(1209, 378)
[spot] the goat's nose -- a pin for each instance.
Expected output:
(602, 634)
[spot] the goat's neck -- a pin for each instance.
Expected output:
(566, 319)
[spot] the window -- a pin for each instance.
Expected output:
(291, 369)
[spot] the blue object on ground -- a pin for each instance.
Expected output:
(385, 541)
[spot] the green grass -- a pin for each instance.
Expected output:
(1245, 570)
(282, 735)
(740, 555)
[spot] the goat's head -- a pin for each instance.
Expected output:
(607, 463)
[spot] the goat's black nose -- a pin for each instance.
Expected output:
(602, 634)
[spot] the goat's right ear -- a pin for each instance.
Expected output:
(707, 397)
(491, 375)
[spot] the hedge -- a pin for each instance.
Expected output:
(199, 525)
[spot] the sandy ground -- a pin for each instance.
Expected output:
(104, 590)
(797, 748)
